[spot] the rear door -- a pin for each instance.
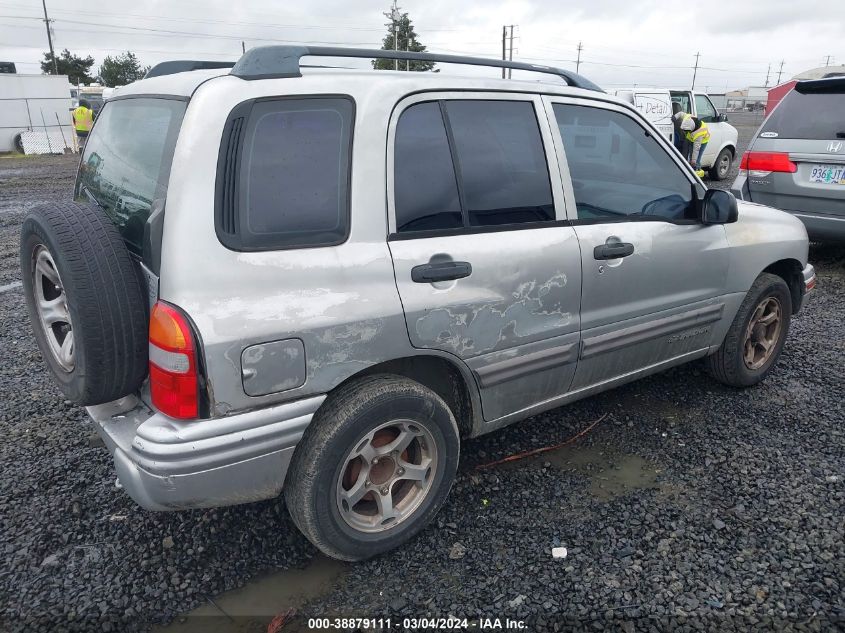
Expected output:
(487, 268)
(809, 127)
(656, 107)
(653, 275)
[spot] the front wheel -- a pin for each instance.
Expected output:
(756, 336)
(373, 468)
(722, 167)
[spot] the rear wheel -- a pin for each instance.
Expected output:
(756, 336)
(373, 468)
(722, 167)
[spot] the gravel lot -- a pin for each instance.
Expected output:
(691, 505)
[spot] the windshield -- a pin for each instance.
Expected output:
(126, 163)
(814, 115)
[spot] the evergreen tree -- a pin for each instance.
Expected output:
(405, 40)
(121, 70)
(76, 68)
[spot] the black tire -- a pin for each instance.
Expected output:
(18, 144)
(722, 167)
(728, 364)
(104, 296)
(348, 414)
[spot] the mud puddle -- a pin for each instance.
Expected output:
(251, 608)
(610, 474)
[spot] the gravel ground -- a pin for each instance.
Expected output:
(691, 505)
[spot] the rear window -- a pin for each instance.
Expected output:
(815, 115)
(126, 162)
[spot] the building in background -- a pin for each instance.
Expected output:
(751, 99)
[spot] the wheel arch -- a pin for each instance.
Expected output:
(789, 270)
(448, 377)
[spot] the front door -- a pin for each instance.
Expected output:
(485, 269)
(652, 274)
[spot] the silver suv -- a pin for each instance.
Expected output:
(796, 161)
(321, 280)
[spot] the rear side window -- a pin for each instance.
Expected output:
(126, 162)
(470, 164)
(283, 174)
(814, 115)
(426, 189)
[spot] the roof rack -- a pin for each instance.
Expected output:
(183, 66)
(265, 62)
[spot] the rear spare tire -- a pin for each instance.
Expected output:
(85, 301)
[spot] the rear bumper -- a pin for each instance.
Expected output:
(821, 227)
(167, 464)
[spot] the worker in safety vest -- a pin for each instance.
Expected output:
(83, 119)
(696, 132)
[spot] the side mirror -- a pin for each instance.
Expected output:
(719, 207)
(723, 118)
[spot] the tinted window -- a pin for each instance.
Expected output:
(503, 173)
(126, 162)
(294, 176)
(618, 169)
(815, 115)
(706, 111)
(424, 177)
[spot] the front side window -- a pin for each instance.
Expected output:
(618, 170)
(470, 163)
(704, 108)
(126, 162)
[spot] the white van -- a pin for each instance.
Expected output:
(654, 104)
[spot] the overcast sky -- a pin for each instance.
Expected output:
(645, 42)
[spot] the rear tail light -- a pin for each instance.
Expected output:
(762, 164)
(173, 364)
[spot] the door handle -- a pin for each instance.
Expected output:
(613, 250)
(441, 271)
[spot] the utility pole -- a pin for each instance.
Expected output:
(768, 70)
(243, 46)
(578, 61)
(826, 62)
(504, 44)
(50, 38)
(510, 54)
(394, 16)
(695, 70)
(780, 71)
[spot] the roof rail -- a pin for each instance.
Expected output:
(828, 84)
(183, 66)
(264, 62)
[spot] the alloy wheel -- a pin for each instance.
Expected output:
(386, 476)
(51, 303)
(762, 333)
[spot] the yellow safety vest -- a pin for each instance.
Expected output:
(701, 133)
(83, 119)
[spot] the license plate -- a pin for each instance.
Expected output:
(828, 174)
